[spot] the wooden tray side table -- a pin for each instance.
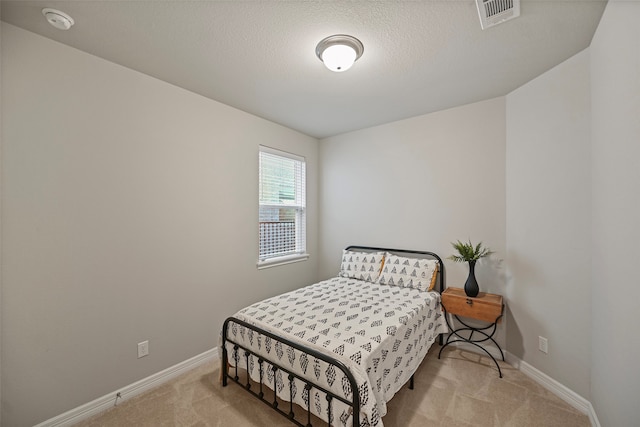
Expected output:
(485, 307)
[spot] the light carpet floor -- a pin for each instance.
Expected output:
(461, 389)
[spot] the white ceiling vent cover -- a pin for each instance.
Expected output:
(494, 12)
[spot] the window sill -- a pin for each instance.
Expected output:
(273, 262)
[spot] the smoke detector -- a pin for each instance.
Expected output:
(494, 12)
(58, 19)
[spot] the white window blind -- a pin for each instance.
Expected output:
(282, 201)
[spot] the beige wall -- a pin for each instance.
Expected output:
(419, 183)
(548, 222)
(129, 211)
(615, 126)
(1, 174)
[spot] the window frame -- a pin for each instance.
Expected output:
(300, 208)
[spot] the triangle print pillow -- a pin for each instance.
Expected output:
(409, 272)
(361, 265)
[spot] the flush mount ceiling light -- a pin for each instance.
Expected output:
(58, 19)
(339, 52)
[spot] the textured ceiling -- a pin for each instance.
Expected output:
(259, 56)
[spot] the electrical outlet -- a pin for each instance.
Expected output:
(543, 345)
(143, 349)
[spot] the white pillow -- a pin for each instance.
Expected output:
(361, 265)
(409, 272)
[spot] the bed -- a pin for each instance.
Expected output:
(339, 349)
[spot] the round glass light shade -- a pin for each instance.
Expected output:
(339, 57)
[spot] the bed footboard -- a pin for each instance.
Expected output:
(240, 352)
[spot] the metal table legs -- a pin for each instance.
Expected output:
(482, 335)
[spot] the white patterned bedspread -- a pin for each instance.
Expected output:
(381, 333)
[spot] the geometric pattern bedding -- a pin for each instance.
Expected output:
(380, 332)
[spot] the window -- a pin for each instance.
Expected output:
(282, 211)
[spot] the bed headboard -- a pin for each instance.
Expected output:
(408, 252)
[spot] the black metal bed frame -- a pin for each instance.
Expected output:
(239, 351)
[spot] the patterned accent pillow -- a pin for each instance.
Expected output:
(409, 272)
(361, 265)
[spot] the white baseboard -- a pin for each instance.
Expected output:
(109, 400)
(560, 390)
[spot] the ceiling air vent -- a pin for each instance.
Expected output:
(494, 12)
